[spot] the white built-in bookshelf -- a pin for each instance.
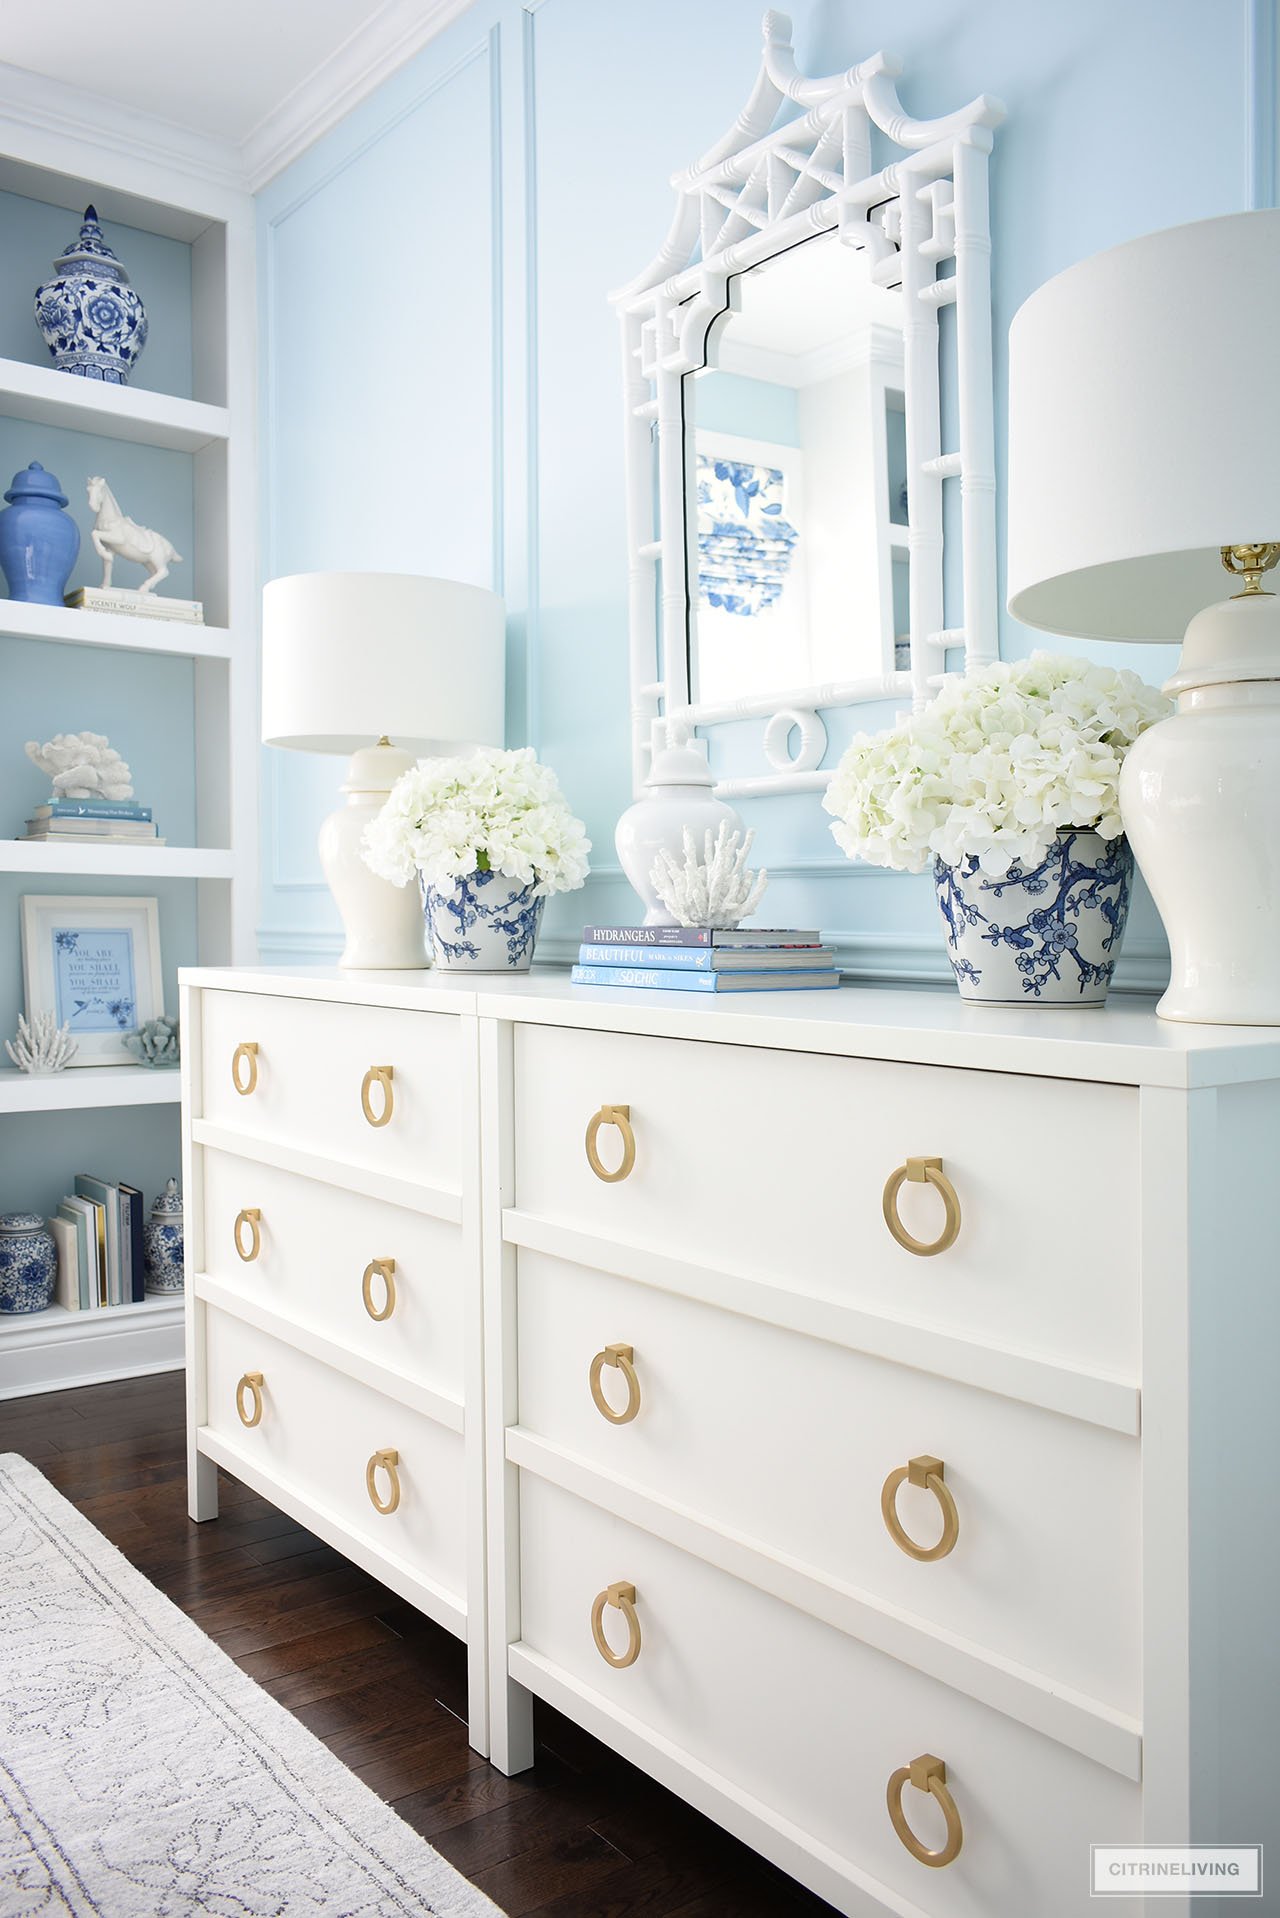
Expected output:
(213, 427)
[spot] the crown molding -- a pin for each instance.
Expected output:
(399, 30)
(74, 114)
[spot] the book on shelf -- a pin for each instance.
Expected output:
(67, 1284)
(91, 809)
(90, 837)
(711, 958)
(131, 1220)
(106, 1199)
(675, 979)
(99, 1233)
(135, 604)
(767, 936)
(84, 1216)
(92, 828)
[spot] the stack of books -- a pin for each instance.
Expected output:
(98, 1231)
(113, 822)
(138, 605)
(705, 959)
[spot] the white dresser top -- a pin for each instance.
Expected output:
(1124, 1042)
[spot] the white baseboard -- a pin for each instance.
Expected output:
(50, 1352)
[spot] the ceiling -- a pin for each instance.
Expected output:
(256, 78)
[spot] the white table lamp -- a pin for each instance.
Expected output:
(353, 661)
(1144, 455)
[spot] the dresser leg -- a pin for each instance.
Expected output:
(202, 1486)
(511, 1727)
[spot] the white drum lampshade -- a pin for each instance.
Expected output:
(1144, 438)
(387, 667)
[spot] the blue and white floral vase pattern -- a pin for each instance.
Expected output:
(484, 922)
(162, 1244)
(1049, 935)
(93, 322)
(745, 545)
(28, 1263)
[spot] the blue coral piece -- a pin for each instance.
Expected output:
(1058, 933)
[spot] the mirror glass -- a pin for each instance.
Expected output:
(795, 488)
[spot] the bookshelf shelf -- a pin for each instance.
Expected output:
(68, 626)
(88, 1088)
(85, 861)
(46, 397)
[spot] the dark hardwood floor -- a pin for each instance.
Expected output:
(582, 1835)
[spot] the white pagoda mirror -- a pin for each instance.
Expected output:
(817, 309)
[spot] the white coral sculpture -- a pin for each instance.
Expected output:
(42, 1046)
(716, 889)
(82, 766)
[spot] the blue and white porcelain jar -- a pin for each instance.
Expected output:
(93, 322)
(28, 1263)
(483, 923)
(1049, 935)
(162, 1244)
(39, 540)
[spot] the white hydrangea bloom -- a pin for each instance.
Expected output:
(994, 767)
(496, 811)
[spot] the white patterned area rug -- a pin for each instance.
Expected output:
(142, 1775)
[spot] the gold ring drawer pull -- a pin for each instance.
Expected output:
(389, 1461)
(624, 1598)
(251, 1382)
(245, 1055)
(926, 1773)
(929, 1473)
(251, 1217)
(378, 1076)
(619, 1116)
(620, 1356)
(384, 1269)
(922, 1172)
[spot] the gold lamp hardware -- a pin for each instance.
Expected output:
(926, 1773)
(389, 1461)
(252, 1383)
(619, 1116)
(1249, 563)
(246, 1056)
(930, 1473)
(624, 1598)
(385, 1270)
(922, 1172)
(251, 1216)
(620, 1356)
(380, 1076)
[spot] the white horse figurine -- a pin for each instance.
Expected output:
(115, 537)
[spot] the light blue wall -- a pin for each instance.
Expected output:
(441, 366)
(757, 409)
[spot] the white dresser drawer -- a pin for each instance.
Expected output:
(789, 1440)
(317, 1433)
(774, 1164)
(311, 1246)
(310, 1081)
(812, 1724)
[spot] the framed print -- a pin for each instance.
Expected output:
(95, 965)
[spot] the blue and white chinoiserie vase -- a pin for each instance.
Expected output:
(28, 1263)
(1046, 936)
(39, 540)
(93, 322)
(483, 923)
(162, 1244)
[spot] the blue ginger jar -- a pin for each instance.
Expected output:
(39, 541)
(162, 1242)
(93, 322)
(28, 1263)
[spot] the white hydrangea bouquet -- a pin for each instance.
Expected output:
(488, 837)
(1007, 784)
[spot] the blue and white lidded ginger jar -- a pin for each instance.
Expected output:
(39, 541)
(162, 1240)
(28, 1263)
(93, 322)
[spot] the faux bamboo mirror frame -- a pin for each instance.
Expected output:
(791, 219)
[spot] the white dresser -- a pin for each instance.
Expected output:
(858, 1409)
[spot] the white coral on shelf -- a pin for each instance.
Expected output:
(714, 888)
(41, 1046)
(82, 766)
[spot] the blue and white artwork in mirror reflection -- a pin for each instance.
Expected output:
(796, 499)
